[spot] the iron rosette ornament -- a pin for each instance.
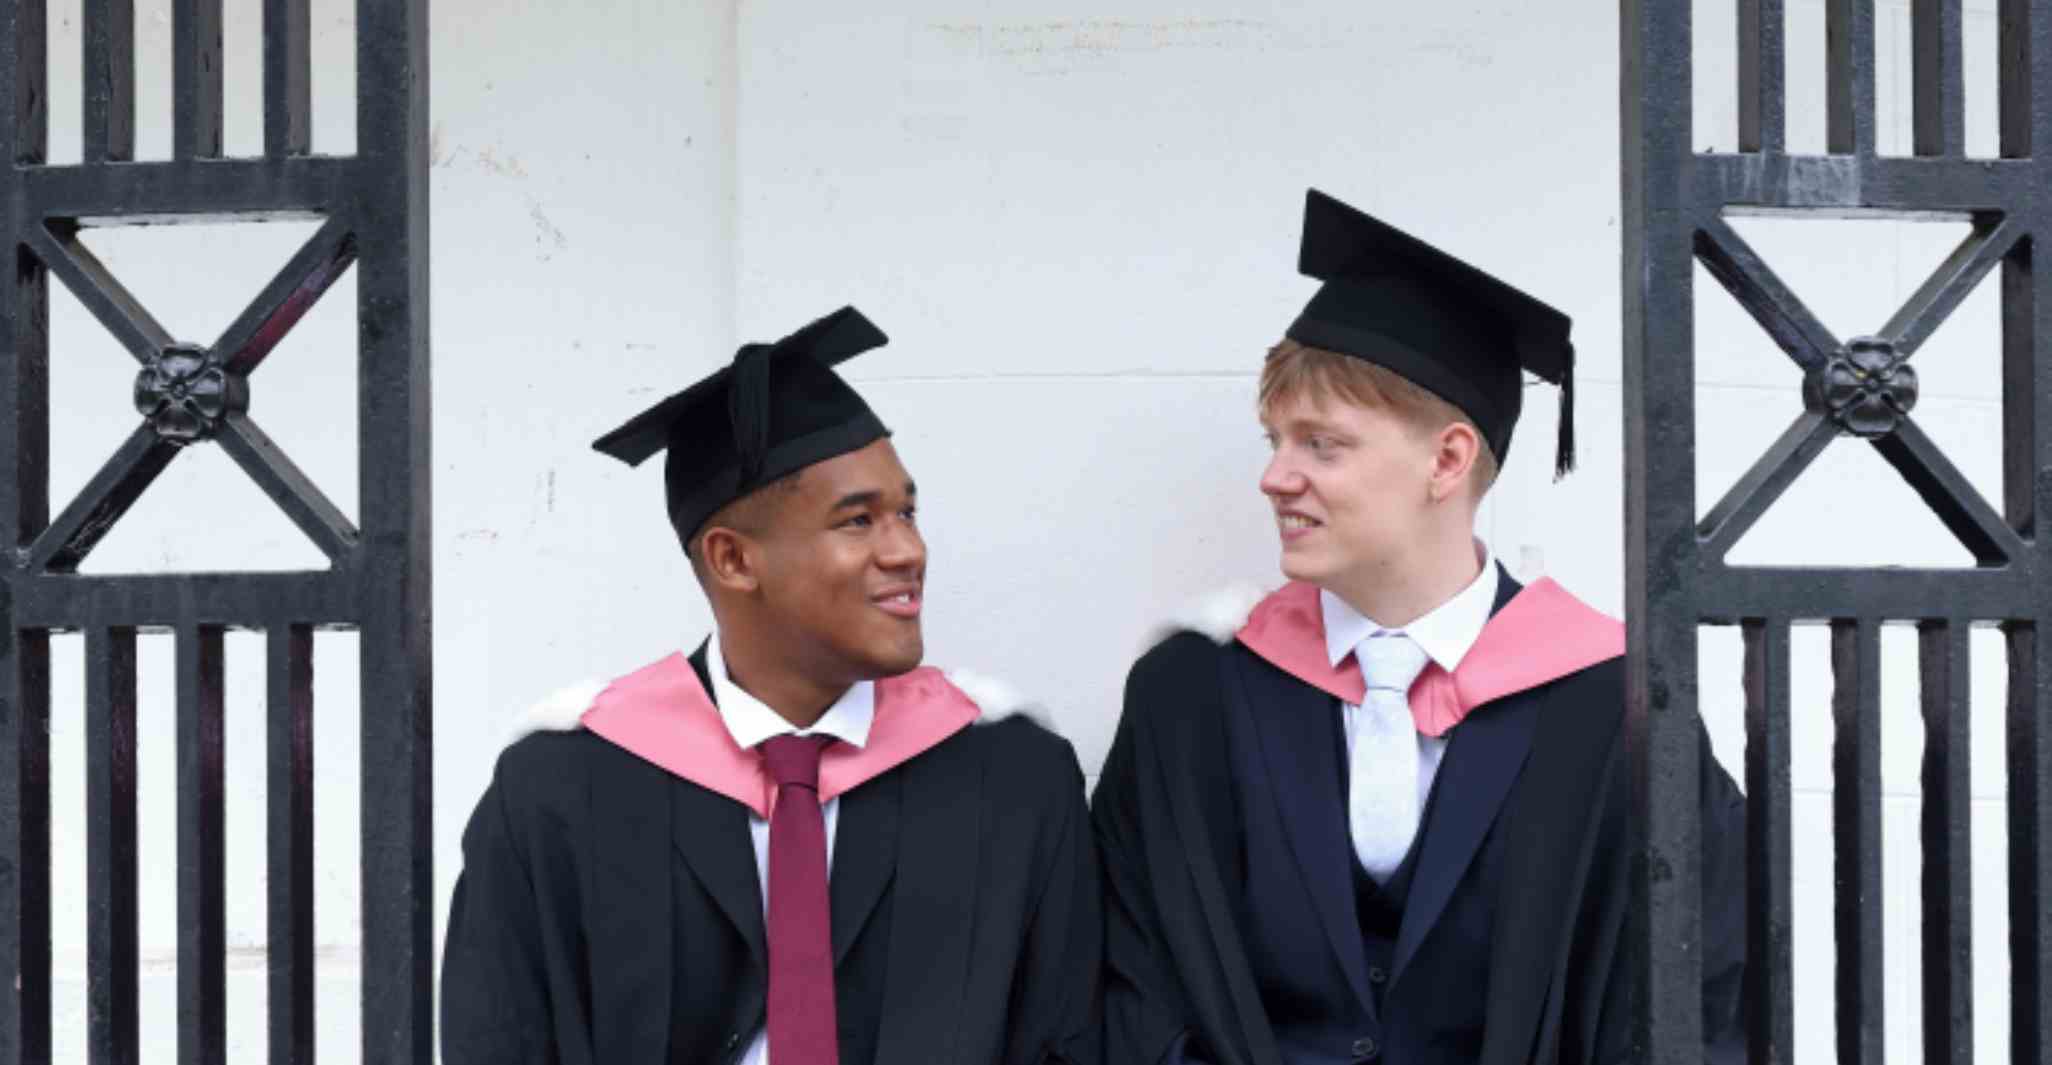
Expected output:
(186, 393)
(1867, 387)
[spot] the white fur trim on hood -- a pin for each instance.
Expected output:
(997, 699)
(561, 711)
(1218, 615)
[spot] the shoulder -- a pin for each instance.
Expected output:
(1217, 616)
(1182, 663)
(1587, 704)
(1013, 724)
(548, 754)
(550, 770)
(1182, 659)
(1012, 743)
(996, 700)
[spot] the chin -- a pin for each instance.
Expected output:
(1304, 566)
(891, 657)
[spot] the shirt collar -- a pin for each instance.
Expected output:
(750, 721)
(1445, 633)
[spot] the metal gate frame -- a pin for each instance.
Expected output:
(1675, 201)
(374, 207)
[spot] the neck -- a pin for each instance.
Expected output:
(795, 696)
(1399, 591)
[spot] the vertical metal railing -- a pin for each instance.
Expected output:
(373, 207)
(1675, 206)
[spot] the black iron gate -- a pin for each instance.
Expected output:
(1675, 204)
(373, 206)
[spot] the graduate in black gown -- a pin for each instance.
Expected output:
(1381, 815)
(794, 845)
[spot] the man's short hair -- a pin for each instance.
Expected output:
(751, 514)
(1293, 370)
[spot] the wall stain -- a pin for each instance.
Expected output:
(550, 238)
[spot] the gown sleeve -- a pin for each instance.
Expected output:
(1146, 1018)
(505, 996)
(1056, 1002)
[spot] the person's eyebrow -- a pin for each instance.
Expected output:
(869, 497)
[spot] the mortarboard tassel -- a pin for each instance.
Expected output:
(1564, 442)
(748, 407)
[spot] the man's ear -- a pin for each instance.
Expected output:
(732, 560)
(1454, 451)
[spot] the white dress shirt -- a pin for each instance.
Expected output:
(1445, 634)
(750, 722)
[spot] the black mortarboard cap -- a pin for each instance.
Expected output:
(776, 409)
(1392, 299)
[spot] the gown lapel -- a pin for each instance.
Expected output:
(629, 907)
(710, 832)
(865, 857)
(1484, 756)
(938, 858)
(1294, 724)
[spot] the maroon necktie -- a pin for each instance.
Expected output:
(801, 943)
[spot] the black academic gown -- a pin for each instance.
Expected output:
(1240, 930)
(609, 911)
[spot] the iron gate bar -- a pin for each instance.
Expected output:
(24, 507)
(1762, 73)
(1945, 660)
(1730, 595)
(289, 295)
(1769, 817)
(25, 822)
(226, 190)
(1878, 186)
(1758, 289)
(109, 75)
(202, 856)
(295, 493)
(2030, 846)
(1778, 467)
(289, 792)
(1980, 251)
(195, 79)
(395, 579)
(2026, 323)
(288, 77)
(1849, 76)
(1665, 962)
(113, 928)
(98, 290)
(1938, 79)
(102, 502)
(1954, 500)
(326, 599)
(1856, 834)
(1675, 207)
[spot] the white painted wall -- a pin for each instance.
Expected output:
(1079, 226)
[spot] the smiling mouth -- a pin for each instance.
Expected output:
(1293, 522)
(903, 604)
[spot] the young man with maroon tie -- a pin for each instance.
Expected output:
(796, 845)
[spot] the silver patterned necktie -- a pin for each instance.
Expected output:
(1382, 794)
